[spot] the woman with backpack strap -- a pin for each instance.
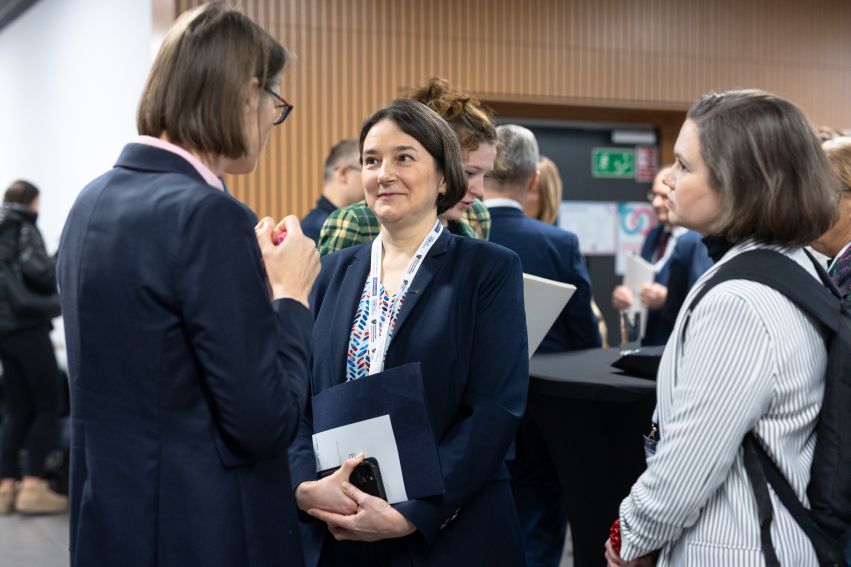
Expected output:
(750, 175)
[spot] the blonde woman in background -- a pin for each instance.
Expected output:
(544, 200)
(543, 204)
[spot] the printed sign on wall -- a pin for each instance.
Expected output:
(646, 163)
(612, 162)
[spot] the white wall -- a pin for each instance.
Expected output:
(71, 72)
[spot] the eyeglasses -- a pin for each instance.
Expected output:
(282, 104)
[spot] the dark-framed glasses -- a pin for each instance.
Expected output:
(281, 105)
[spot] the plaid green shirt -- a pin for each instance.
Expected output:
(357, 224)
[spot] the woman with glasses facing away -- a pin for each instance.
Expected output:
(188, 329)
(750, 175)
(450, 303)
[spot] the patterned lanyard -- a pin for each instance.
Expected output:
(379, 334)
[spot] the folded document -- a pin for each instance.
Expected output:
(384, 416)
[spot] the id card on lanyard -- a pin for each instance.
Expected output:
(378, 334)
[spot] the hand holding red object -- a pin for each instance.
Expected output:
(615, 536)
(613, 551)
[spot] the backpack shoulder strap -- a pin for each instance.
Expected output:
(762, 470)
(784, 275)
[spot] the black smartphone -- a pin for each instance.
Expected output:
(366, 477)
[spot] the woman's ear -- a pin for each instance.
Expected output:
(252, 93)
(441, 189)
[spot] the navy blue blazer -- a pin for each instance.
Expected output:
(187, 383)
(311, 224)
(549, 252)
(687, 262)
(463, 320)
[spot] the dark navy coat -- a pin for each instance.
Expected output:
(687, 262)
(549, 252)
(463, 320)
(187, 383)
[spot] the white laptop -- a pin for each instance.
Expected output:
(544, 300)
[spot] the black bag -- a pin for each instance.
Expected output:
(25, 301)
(642, 362)
(827, 522)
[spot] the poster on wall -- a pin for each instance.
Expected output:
(594, 222)
(635, 220)
(607, 228)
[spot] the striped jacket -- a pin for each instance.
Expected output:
(750, 360)
(357, 224)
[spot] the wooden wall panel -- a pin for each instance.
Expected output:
(354, 55)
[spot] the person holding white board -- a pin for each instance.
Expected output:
(678, 256)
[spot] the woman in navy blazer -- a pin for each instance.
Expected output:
(187, 382)
(462, 319)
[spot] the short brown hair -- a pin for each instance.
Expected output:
(429, 129)
(765, 161)
(21, 192)
(470, 120)
(195, 90)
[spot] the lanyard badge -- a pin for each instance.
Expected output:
(379, 335)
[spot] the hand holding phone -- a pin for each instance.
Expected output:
(366, 477)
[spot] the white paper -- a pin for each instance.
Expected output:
(545, 299)
(374, 438)
(639, 272)
(594, 223)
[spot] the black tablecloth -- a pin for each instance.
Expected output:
(586, 375)
(592, 418)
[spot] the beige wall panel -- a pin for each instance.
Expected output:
(354, 55)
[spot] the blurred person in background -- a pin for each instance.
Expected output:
(826, 133)
(679, 258)
(836, 242)
(30, 373)
(548, 252)
(544, 199)
(342, 186)
(543, 203)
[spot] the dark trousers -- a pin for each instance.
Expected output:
(31, 384)
(537, 495)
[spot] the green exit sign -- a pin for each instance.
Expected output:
(612, 162)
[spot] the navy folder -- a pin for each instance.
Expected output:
(398, 392)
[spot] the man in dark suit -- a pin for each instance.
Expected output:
(342, 186)
(549, 252)
(679, 256)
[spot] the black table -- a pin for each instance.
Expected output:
(586, 375)
(592, 418)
